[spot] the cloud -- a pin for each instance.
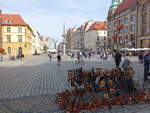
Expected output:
(50, 25)
(48, 16)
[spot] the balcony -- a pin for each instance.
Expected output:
(115, 36)
(119, 27)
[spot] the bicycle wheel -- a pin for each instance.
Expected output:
(76, 62)
(82, 62)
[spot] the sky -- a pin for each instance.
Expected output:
(49, 16)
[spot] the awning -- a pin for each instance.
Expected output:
(51, 50)
(122, 49)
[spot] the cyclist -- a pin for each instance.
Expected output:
(79, 56)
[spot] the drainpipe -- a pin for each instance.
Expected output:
(137, 26)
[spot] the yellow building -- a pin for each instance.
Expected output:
(16, 35)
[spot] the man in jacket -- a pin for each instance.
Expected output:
(146, 60)
(118, 57)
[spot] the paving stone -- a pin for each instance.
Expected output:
(22, 82)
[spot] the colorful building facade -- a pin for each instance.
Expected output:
(123, 25)
(16, 35)
(144, 24)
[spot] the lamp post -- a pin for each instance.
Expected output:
(64, 40)
(56, 44)
(64, 46)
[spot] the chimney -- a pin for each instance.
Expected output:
(0, 11)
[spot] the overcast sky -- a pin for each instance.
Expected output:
(48, 16)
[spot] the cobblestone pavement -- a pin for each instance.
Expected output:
(31, 85)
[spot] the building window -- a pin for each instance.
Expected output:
(144, 19)
(126, 29)
(20, 39)
(104, 38)
(8, 21)
(143, 30)
(97, 38)
(8, 29)
(132, 27)
(20, 30)
(132, 37)
(133, 8)
(144, 7)
(125, 20)
(120, 22)
(132, 17)
(9, 50)
(8, 39)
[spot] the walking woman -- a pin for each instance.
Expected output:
(59, 58)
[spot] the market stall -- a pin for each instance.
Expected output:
(100, 88)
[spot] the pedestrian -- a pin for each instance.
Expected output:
(146, 60)
(126, 63)
(89, 55)
(118, 57)
(140, 57)
(50, 56)
(72, 56)
(59, 58)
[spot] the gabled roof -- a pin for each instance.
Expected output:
(98, 26)
(124, 5)
(12, 19)
(74, 29)
(87, 25)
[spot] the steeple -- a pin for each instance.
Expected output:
(115, 3)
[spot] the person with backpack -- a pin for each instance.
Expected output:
(126, 63)
(146, 60)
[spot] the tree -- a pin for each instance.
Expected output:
(45, 48)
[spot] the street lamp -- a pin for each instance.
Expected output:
(64, 40)
(56, 44)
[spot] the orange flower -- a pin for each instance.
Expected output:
(2, 50)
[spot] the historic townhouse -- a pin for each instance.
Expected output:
(16, 35)
(95, 36)
(144, 24)
(89, 36)
(70, 39)
(122, 25)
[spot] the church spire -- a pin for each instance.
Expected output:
(115, 3)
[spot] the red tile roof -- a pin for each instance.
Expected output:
(124, 5)
(14, 19)
(98, 26)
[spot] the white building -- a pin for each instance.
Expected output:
(95, 36)
(37, 47)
